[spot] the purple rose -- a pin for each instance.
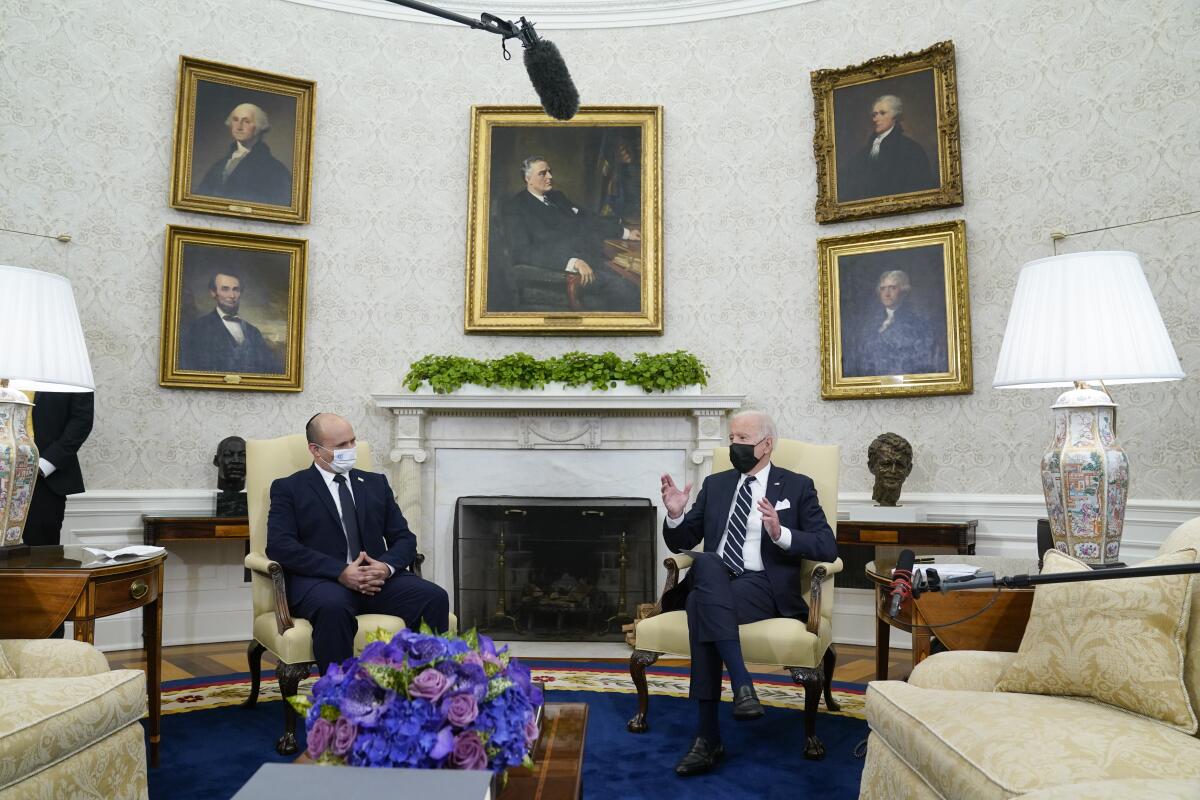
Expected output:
(319, 736)
(468, 752)
(344, 733)
(531, 729)
(461, 710)
(429, 685)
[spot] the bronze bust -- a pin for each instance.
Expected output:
(890, 460)
(230, 462)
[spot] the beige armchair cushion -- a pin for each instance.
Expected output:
(982, 745)
(1119, 641)
(6, 669)
(963, 670)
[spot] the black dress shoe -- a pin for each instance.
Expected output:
(745, 703)
(701, 758)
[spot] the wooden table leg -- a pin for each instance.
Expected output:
(152, 644)
(921, 637)
(883, 638)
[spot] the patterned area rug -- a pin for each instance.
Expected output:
(777, 691)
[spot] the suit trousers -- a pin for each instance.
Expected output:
(717, 603)
(43, 523)
(332, 610)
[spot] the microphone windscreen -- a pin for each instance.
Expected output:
(551, 80)
(906, 560)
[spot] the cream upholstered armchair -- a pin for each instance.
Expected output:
(288, 638)
(805, 649)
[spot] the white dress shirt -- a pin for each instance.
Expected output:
(337, 502)
(879, 140)
(751, 555)
(235, 329)
(240, 151)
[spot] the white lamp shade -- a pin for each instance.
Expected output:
(1084, 317)
(41, 340)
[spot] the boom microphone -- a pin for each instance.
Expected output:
(547, 70)
(901, 581)
(548, 74)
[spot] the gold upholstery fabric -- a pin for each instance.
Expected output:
(69, 727)
(6, 669)
(1118, 641)
(1161, 789)
(886, 777)
(967, 670)
(1188, 535)
(983, 745)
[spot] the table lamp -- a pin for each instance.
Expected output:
(1077, 319)
(42, 350)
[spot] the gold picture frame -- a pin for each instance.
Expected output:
(225, 160)
(222, 286)
(914, 165)
(598, 189)
(895, 335)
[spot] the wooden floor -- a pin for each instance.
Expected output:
(855, 663)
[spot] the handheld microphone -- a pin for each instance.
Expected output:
(901, 581)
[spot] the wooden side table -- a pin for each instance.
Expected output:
(52, 584)
(998, 626)
(857, 542)
(157, 530)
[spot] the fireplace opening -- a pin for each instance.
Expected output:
(552, 568)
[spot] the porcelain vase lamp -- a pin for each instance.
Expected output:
(1079, 319)
(42, 349)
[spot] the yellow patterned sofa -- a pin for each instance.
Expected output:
(948, 733)
(69, 726)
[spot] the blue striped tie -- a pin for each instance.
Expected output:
(735, 533)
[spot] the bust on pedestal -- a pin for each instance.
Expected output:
(230, 462)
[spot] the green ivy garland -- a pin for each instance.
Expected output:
(654, 373)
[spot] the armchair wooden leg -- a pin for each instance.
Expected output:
(811, 678)
(254, 660)
(289, 676)
(827, 664)
(637, 670)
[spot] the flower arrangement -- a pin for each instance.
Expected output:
(424, 701)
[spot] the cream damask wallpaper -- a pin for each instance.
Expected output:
(1075, 115)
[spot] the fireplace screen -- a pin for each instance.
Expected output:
(552, 568)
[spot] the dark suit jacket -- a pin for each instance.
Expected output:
(812, 538)
(906, 347)
(258, 178)
(550, 236)
(61, 424)
(305, 535)
(900, 167)
(207, 345)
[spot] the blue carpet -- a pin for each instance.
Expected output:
(209, 754)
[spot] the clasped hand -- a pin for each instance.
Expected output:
(364, 575)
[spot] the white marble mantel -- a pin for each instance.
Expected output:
(553, 442)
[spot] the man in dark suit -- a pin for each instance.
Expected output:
(248, 172)
(757, 522)
(221, 341)
(894, 338)
(61, 424)
(344, 546)
(547, 230)
(891, 163)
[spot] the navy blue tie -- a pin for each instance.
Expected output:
(735, 532)
(349, 517)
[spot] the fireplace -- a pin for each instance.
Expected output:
(553, 568)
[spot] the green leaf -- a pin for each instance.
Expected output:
(301, 703)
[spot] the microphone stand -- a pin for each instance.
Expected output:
(1022, 581)
(486, 22)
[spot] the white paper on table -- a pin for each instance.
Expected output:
(132, 551)
(945, 571)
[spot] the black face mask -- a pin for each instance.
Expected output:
(741, 455)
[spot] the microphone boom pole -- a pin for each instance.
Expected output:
(1022, 581)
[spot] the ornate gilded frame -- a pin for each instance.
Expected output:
(486, 121)
(192, 71)
(940, 60)
(951, 237)
(241, 247)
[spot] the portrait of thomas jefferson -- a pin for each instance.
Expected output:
(886, 138)
(893, 319)
(243, 145)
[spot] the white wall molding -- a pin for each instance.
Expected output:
(206, 600)
(566, 14)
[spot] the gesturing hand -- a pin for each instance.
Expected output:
(770, 519)
(674, 498)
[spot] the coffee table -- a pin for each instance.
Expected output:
(557, 772)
